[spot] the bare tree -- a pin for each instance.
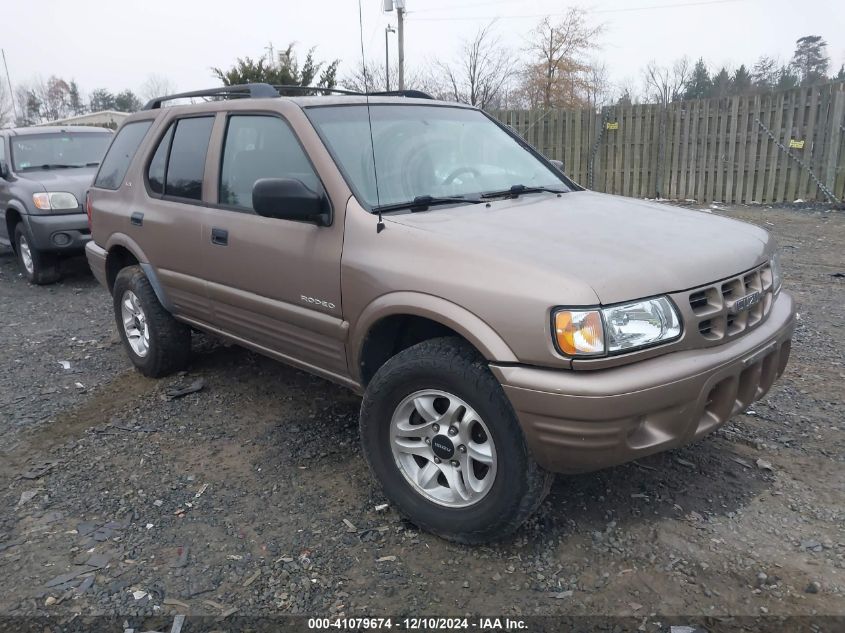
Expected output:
(626, 92)
(369, 77)
(482, 71)
(7, 118)
(555, 76)
(596, 83)
(664, 84)
(156, 85)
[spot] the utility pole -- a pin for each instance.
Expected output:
(400, 16)
(9, 81)
(387, 29)
(400, 30)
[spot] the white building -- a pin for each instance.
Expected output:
(104, 118)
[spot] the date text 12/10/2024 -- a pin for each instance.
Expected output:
(418, 624)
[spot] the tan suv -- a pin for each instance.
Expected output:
(501, 322)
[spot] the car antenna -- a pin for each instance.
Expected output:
(380, 225)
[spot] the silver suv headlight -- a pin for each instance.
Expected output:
(55, 201)
(620, 328)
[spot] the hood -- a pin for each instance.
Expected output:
(76, 180)
(623, 248)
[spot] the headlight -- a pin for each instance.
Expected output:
(640, 324)
(619, 328)
(55, 201)
(776, 273)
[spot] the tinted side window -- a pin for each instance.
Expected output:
(158, 165)
(187, 158)
(260, 147)
(120, 154)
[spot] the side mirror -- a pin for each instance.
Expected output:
(289, 199)
(558, 164)
(4, 169)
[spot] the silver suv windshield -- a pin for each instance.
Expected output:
(59, 150)
(423, 152)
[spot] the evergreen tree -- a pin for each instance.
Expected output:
(699, 85)
(722, 84)
(787, 79)
(284, 70)
(101, 99)
(126, 101)
(764, 74)
(741, 81)
(810, 60)
(74, 100)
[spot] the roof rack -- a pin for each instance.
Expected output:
(262, 91)
(251, 91)
(411, 94)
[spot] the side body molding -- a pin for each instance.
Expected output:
(464, 322)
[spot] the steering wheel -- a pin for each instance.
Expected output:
(461, 170)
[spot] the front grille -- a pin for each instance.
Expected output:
(719, 310)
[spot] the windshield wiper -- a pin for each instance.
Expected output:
(95, 164)
(52, 166)
(516, 190)
(422, 203)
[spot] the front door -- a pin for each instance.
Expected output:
(274, 283)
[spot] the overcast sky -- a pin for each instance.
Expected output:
(116, 45)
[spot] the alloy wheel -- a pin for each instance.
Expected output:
(443, 448)
(135, 323)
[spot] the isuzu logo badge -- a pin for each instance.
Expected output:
(743, 303)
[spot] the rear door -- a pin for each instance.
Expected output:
(169, 226)
(274, 283)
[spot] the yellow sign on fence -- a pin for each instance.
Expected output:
(613, 125)
(795, 143)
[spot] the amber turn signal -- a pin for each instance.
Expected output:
(579, 332)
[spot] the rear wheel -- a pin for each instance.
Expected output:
(157, 344)
(40, 268)
(444, 442)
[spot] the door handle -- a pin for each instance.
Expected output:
(137, 218)
(219, 236)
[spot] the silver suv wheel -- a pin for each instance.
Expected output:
(26, 255)
(135, 323)
(443, 448)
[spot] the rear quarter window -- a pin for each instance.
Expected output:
(122, 150)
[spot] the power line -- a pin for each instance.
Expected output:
(679, 5)
(463, 6)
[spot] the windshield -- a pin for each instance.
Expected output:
(426, 151)
(59, 150)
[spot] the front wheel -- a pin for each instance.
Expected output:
(444, 442)
(157, 344)
(40, 268)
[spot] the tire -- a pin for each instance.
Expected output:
(159, 344)
(40, 268)
(449, 366)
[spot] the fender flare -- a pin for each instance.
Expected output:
(470, 326)
(15, 205)
(123, 240)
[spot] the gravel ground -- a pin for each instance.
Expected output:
(251, 495)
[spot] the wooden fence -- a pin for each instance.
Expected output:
(707, 150)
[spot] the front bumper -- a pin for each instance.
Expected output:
(96, 257)
(580, 421)
(65, 233)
